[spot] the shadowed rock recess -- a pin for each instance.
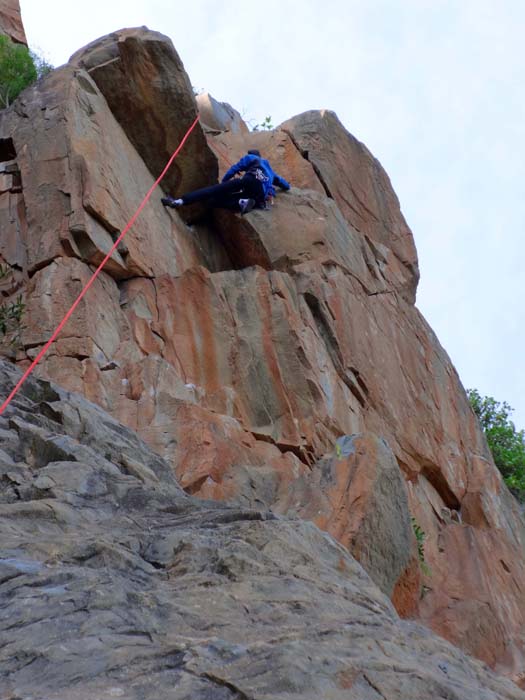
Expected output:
(277, 362)
(115, 583)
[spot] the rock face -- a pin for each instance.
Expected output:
(115, 583)
(249, 352)
(219, 116)
(11, 21)
(149, 93)
(362, 190)
(373, 519)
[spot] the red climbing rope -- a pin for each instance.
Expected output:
(96, 273)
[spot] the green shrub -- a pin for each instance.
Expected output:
(11, 314)
(19, 67)
(17, 70)
(506, 443)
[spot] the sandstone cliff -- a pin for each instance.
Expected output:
(276, 361)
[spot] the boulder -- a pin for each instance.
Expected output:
(219, 116)
(144, 82)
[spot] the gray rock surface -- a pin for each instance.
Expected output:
(359, 496)
(114, 583)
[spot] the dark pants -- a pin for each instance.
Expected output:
(226, 195)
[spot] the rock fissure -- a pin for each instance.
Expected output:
(332, 346)
(303, 452)
(42, 264)
(238, 694)
(305, 154)
(436, 477)
(383, 292)
(374, 686)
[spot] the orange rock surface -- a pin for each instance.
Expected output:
(11, 21)
(245, 350)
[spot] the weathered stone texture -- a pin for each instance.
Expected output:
(143, 79)
(242, 349)
(359, 496)
(82, 181)
(219, 116)
(274, 145)
(115, 583)
(11, 21)
(361, 188)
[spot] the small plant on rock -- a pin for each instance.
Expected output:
(265, 125)
(420, 539)
(11, 315)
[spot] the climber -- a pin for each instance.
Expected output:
(254, 189)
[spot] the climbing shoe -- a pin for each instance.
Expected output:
(246, 205)
(172, 202)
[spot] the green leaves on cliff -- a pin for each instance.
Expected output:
(265, 125)
(19, 67)
(11, 314)
(506, 443)
(17, 70)
(420, 539)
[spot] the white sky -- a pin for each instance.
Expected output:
(434, 88)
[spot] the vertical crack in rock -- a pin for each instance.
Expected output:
(374, 687)
(434, 474)
(7, 150)
(356, 386)
(305, 155)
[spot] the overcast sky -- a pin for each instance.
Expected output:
(434, 88)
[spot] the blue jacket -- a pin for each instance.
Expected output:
(250, 161)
